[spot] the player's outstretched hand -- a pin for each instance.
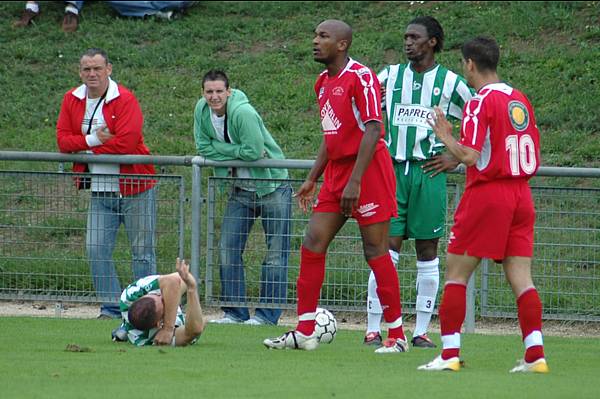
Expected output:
(440, 163)
(305, 195)
(440, 125)
(184, 272)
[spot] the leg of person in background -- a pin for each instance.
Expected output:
(102, 227)
(428, 280)
(139, 218)
(71, 19)
(275, 212)
(32, 10)
(238, 220)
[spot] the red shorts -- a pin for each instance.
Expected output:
(377, 200)
(494, 220)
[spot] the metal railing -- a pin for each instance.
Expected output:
(566, 260)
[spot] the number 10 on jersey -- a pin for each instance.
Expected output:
(521, 153)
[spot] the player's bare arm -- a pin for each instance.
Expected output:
(366, 150)
(443, 130)
(307, 190)
(194, 324)
(170, 289)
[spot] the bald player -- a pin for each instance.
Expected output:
(358, 182)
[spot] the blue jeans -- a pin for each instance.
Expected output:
(243, 207)
(76, 4)
(142, 8)
(105, 214)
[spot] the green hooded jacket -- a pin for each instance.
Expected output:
(250, 139)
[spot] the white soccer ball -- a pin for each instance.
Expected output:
(325, 326)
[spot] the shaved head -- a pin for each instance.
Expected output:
(338, 29)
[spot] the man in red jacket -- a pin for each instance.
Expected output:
(103, 117)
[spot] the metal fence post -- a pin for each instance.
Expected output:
(196, 219)
(181, 219)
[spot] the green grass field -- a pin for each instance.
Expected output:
(231, 362)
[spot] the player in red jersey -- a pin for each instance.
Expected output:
(500, 145)
(358, 182)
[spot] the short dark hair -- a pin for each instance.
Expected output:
(484, 52)
(215, 74)
(91, 52)
(142, 314)
(434, 29)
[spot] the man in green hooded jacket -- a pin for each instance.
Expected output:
(228, 128)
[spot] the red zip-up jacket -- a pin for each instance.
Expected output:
(124, 119)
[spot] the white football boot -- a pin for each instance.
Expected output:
(439, 364)
(392, 345)
(538, 366)
(293, 340)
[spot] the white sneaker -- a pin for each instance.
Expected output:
(253, 321)
(226, 320)
(393, 345)
(439, 364)
(538, 366)
(293, 340)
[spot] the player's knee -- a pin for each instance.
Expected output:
(426, 249)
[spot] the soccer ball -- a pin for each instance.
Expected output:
(325, 326)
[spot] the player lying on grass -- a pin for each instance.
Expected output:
(151, 312)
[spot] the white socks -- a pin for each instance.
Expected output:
(72, 9)
(32, 6)
(428, 281)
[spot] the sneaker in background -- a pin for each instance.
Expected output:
(254, 321)
(422, 341)
(373, 338)
(227, 319)
(119, 334)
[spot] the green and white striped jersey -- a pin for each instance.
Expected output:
(409, 100)
(145, 286)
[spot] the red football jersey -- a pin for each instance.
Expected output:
(347, 102)
(499, 123)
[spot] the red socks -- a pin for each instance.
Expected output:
(452, 315)
(530, 319)
(388, 290)
(310, 280)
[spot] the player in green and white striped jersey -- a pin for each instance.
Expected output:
(151, 312)
(410, 93)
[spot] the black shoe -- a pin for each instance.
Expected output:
(373, 338)
(422, 341)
